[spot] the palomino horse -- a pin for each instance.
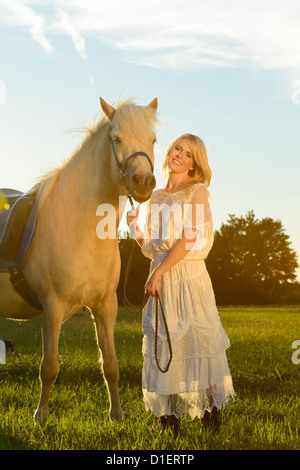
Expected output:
(68, 266)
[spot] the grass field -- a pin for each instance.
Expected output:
(264, 415)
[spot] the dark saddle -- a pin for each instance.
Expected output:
(17, 229)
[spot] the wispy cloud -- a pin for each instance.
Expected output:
(18, 13)
(68, 26)
(172, 33)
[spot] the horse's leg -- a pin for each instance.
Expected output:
(105, 319)
(52, 322)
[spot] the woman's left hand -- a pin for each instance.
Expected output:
(152, 283)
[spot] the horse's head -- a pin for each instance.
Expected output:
(132, 139)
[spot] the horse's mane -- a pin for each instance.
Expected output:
(130, 118)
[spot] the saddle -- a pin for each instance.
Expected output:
(17, 228)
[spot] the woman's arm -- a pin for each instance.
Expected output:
(182, 246)
(178, 251)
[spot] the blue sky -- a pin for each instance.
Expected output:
(228, 71)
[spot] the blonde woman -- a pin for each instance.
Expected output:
(198, 382)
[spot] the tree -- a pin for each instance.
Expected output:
(251, 261)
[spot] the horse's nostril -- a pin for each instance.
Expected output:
(135, 180)
(143, 182)
(151, 183)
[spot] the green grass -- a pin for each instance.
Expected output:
(265, 414)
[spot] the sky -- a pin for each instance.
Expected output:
(226, 70)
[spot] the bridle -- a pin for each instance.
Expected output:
(122, 167)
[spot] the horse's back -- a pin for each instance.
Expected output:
(11, 304)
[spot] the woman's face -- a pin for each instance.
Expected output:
(180, 158)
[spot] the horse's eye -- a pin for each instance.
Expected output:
(154, 141)
(116, 140)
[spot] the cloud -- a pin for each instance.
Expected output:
(17, 13)
(173, 33)
(67, 25)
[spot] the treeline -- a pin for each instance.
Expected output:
(251, 262)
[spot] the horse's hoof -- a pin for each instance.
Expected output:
(117, 415)
(40, 417)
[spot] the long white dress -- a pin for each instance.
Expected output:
(198, 377)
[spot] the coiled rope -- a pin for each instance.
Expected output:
(135, 309)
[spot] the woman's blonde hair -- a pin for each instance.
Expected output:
(201, 172)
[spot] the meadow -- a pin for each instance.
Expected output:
(264, 416)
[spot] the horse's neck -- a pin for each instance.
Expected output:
(86, 182)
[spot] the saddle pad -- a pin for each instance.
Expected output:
(10, 195)
(28, 233)
(4, 215)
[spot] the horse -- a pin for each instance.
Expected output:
(67, 265)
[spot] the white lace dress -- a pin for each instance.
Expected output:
(198, 377)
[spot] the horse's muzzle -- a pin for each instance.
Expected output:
(141, 187)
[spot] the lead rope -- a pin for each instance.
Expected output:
(157, 303)
(135, 309)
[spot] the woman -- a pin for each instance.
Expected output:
(198, 381)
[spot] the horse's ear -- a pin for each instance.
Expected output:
(107, 109)
(153, 104)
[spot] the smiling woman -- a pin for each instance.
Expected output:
(192, 376)
(185, 148)
(180, 157)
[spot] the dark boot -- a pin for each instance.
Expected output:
(163, 421)
(212, 420)
(170, 422)
(174, 424)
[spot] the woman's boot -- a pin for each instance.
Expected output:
(170, 422)
(212, 419)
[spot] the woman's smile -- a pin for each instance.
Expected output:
(177, 161)
(181, 156)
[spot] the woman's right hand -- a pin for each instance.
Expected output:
(132, 216)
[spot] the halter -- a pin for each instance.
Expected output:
(122, 168)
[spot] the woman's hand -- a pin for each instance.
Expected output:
(152, 283)
(135, 232)
(132, 216)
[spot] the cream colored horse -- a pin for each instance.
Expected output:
(68, 266)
